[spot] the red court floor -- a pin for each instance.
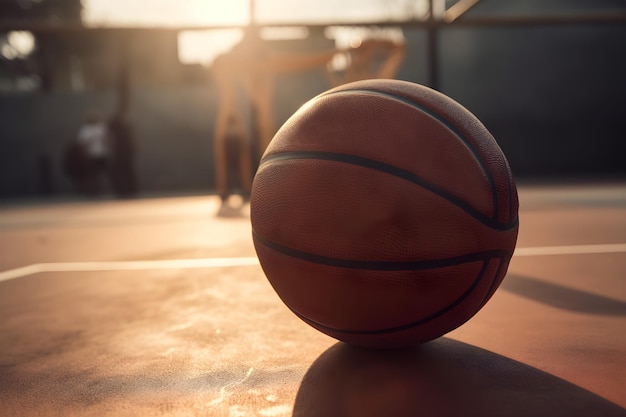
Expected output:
(156, 307)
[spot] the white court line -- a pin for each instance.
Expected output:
(126, 266)
(251, 261)
(570, 250)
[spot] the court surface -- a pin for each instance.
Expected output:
(156, 307)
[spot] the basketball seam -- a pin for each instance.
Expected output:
(414, 265)
(408, 326)
(509, 179)
(442, 120)
(494, 284)
(397, 172)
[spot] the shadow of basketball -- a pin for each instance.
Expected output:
(562, 297)
(442, 378)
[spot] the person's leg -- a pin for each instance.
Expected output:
(245, 167)
(221, 176)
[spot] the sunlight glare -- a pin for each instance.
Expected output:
(189, 13)
(195, 46)
(165, 13)
(203, 46)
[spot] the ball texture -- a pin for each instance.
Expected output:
(384, 213)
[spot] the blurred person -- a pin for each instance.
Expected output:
(233, 164)
(93, 140)
(251, 66)
(74, 163)
(122, 156)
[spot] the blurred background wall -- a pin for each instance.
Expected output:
(553, 94)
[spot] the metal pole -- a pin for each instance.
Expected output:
(432, 54)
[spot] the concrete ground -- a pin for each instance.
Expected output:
(157, 307)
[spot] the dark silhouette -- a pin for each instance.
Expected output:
(91, 155)
(562, 297)
(441, 378)
(122, 167)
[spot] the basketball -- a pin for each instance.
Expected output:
(384, 213)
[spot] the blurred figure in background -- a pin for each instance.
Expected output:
(233, 165)
(250, 67)
(122, 156)
(93, 143)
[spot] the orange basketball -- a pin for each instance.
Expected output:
(384, 214)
